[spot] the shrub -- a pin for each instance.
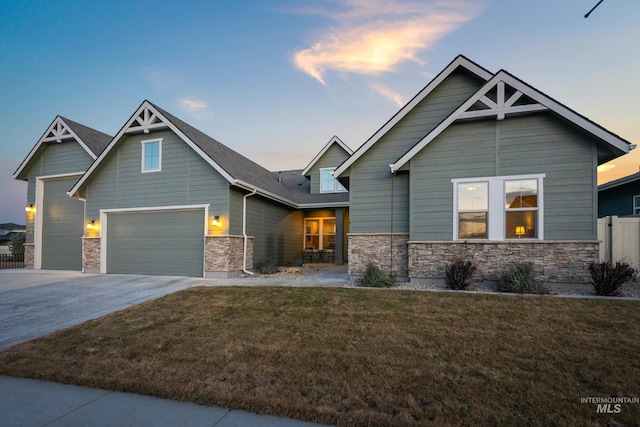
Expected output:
(376, 278)
(17, 244)
(295, 262)
(520, 277)
(268, 268)
(458, 273)
(606, 278)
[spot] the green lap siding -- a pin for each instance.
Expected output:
(185, 179)
(158, 243)
(62, 226)
(370, 183)
(533, 144)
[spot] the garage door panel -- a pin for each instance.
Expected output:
(62, 226)
(158, 242)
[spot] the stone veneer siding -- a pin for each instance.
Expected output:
(29, 255)
(224, 254)
(557, 261)
(91, 254)
(381, 248)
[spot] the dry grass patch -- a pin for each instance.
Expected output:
(359, 357)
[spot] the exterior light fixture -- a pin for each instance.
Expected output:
(216, 221)
(520, 230)
(30, 208)
(91, 225)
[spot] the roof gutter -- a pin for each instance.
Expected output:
(244, 231)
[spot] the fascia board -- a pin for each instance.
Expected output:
(334, 140)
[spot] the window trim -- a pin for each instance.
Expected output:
(337, 187)
(636, 207)
(144, 144)
(497, 212)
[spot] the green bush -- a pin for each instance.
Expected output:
(17, 244)
(268, 268)
(376, 278)
(521, 277)
(458, 273)
(606, 278)
(295, 262)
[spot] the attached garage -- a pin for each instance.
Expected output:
(62, 226)
(158, 242)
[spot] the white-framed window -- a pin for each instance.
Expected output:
(498, 207)
(319, 233)
(636, 205)
(328, 184)
(151, 155)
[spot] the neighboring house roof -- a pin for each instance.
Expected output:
(480, 105)
(10, 226)
(459, 61)
(332, 141)
(5, 238)
(620, 181)
(63, 129)
(234, 167)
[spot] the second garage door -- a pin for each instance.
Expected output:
(156, 242)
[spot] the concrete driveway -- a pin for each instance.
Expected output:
(34, 303)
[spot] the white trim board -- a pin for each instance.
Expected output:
(334, 140)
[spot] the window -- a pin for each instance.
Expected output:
(521, 208)
(320, 233)
(328, 184)
(151, 155)
(498, 208)
(473, 210)
(636, 205)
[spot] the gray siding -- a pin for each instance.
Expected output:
(53, 159)
(185, 179)
(536, 144)
(370, 184)
(264, 217)
(461, 151)
(618, 200)
(332, 158)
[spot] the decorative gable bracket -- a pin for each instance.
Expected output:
(58, 132)
(145, 121)
(503, 105)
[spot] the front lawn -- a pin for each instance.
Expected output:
(359, 356)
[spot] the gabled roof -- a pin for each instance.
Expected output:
(332, 141)
(459, 61)
(620, 181)
(513, 96)
(234, 167)
(63, 129)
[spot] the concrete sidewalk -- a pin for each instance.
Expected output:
(32, 403)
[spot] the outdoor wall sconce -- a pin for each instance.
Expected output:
(216, 221)
(30, 208)
(520, 230)
(91, 225)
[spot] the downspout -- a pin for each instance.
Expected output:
(244, 230)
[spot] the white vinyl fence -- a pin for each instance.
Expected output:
(620, 239)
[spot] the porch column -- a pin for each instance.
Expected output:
(339, 236)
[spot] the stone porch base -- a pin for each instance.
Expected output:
(559, 261)
(223, 255)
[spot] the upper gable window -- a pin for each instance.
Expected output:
(328, 184)
(152, 155)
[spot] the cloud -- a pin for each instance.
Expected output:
(196, 108)
(388, 93)
(370, 37)
(161, 78)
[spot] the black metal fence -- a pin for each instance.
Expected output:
(11, 261)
